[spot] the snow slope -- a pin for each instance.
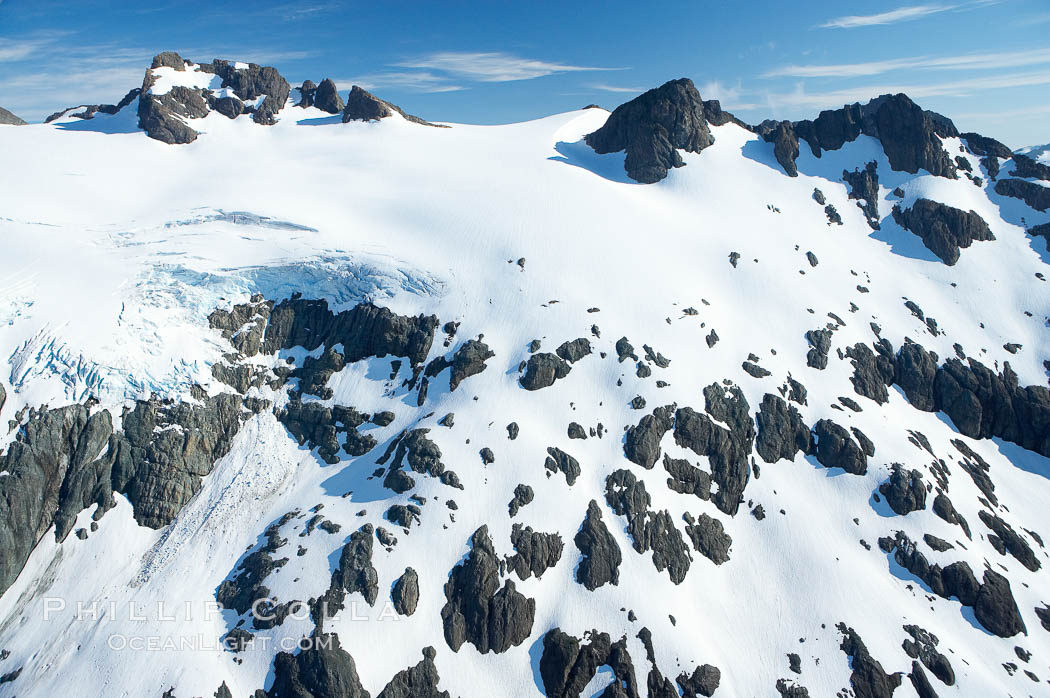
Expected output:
(117, 248)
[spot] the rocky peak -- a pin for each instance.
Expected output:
(162, 116)
(9, 119)
(324, 96)
(910, 135)
(362, 105)
(653, 126)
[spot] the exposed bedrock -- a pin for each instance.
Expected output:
(9, 119)
(992, 599)
(600, 555)
(980, 402)
(477, 609)
(649, 530)
(362, 105)
(944, 230)
(836, 449)
(727, 451)
(652, 127)
(864, 188)
(642, 441)
(1035, 195)
(542, 370)
(909, 135)
(324, 96)
(781, 432)
(1027, 168)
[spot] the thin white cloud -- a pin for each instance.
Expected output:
(800, 98)
(901, 14)
(975, 61)
(615, 88)
(25, 47)
(491, 66)
(416, 81)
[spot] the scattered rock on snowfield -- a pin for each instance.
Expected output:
(944, 230)
(405, 593)
(905, 491)
(541, 370)
(601, 557)
(477, 610)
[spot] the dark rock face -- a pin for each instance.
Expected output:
(923, 646)
(998, 611)
(247, 585)
(819, 346)
(642, 442)
(9, 119)
(781, 431)
(1011, 541)
(869, 679)
(322, 670)
(727, 450)
(1028, 168)
(422, 455)
(54, 446)
(836, 449)
(542, 370)
(560, 461)
(909, 135)
(943, 229)
(601, 557)
(306, 93)
(702, 682)
(469, 360)
(326, 97)
(420, 681)
(168, 59)
(405, 593)
(995, 607)
(652, 127)
(785, 146)
(990, 150)
(355, 571)
(477, 610)
(362, 105)
(686, 478)
(864, 187)
(905, 491)
(523, 496)
(575, 350)
(535, 552)
(567, 666)
(943, 507)
(655, 531)
(364, 331)
(159, 114)
(1035, 195)
(709, 538)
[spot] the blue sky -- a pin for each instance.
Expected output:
(984, 63)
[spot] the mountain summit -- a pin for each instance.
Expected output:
(305, 399)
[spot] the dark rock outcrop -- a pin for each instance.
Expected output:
(642, 441)
(535, 551)
(420, 681)
(601, 557)
(1012, 541)
(652, 127)
(326, 97)
(709, 538)
(781, 431)
(864, 188)
(836, 449)
(1035, 195)
(727, 451)
(477, 610)
(990, 151)
(627, 496)
(542, 370)
(944, 230)
(523, 496)
(995, 607)
(362, 105)
(405, 592)
(567, 665)
(905, 491)
(559, 461)
(1027, 168)
(322, 669)
(869, 679)
(469, 360)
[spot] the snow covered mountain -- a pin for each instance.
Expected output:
(309, 397)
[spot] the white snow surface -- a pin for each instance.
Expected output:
(117, 247)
